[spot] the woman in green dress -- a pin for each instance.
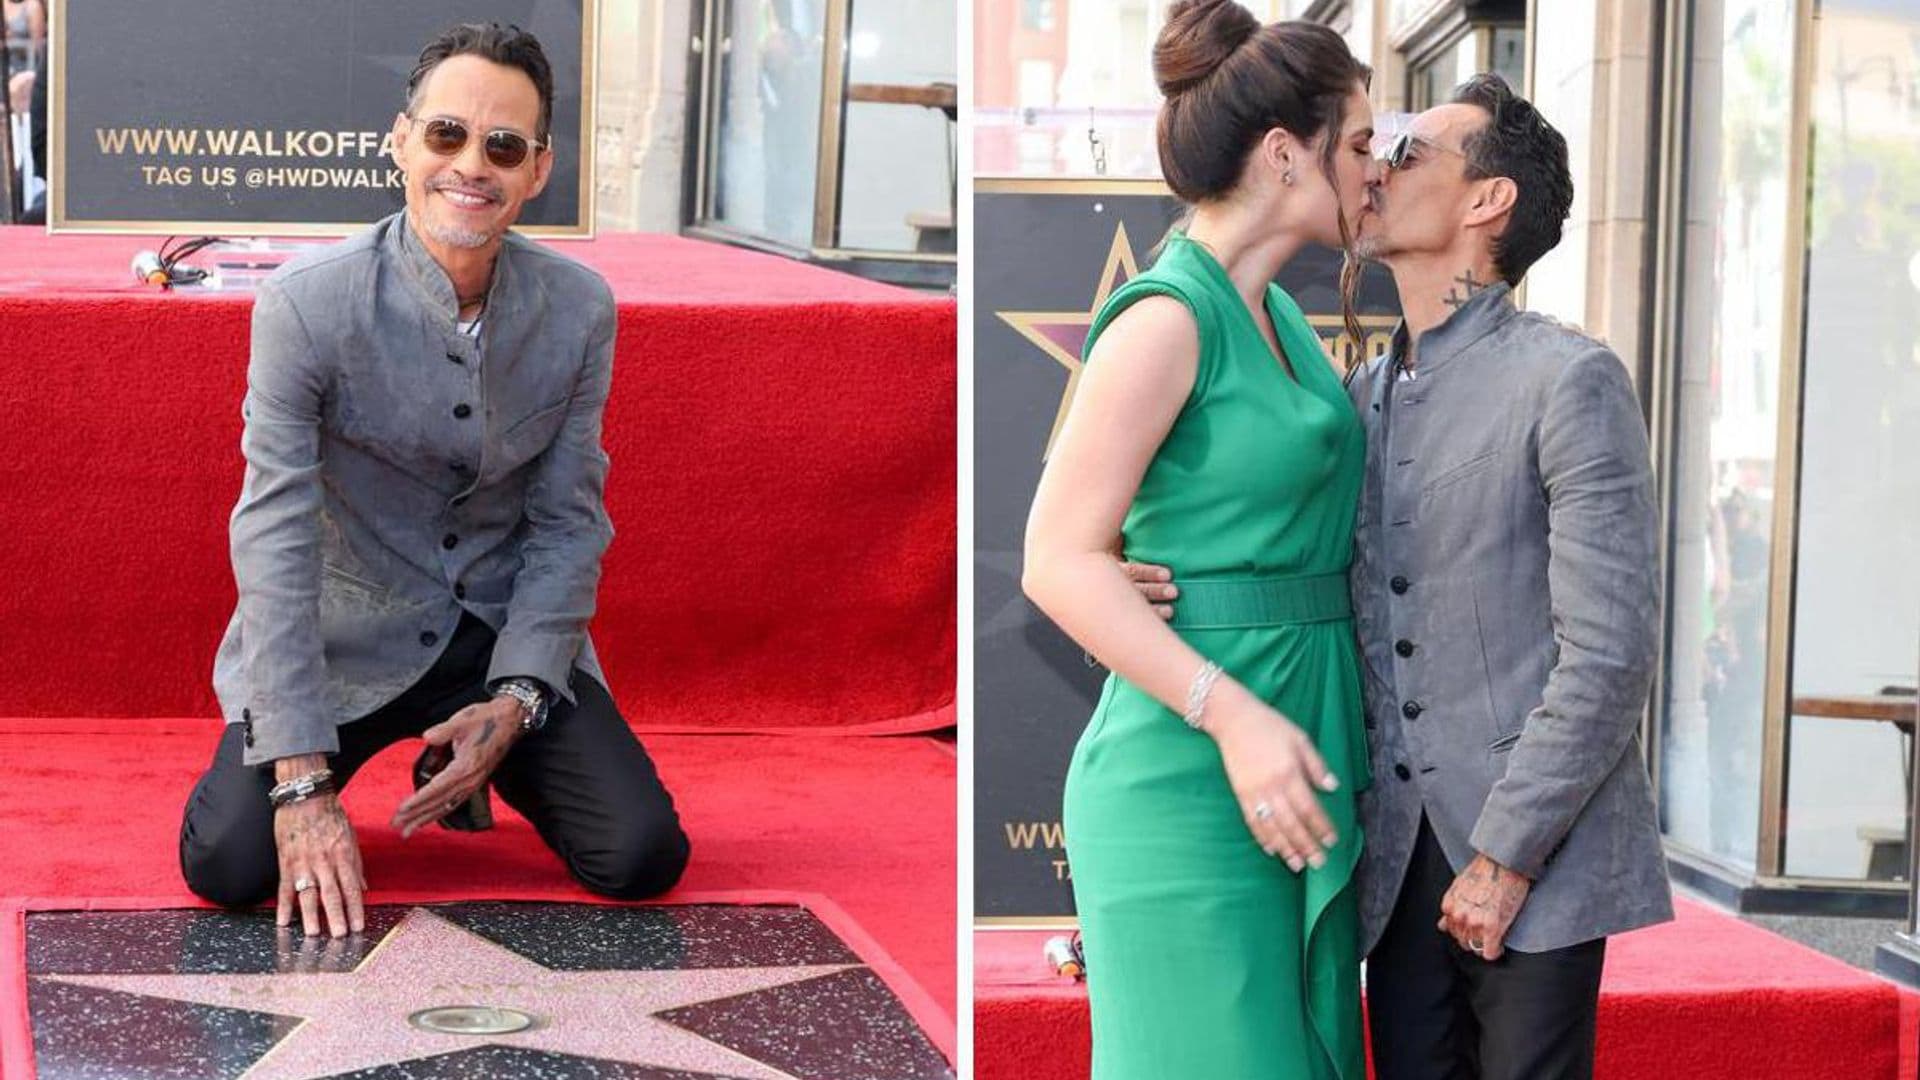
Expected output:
(1209, 809)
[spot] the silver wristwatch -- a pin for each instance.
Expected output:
(532, 699)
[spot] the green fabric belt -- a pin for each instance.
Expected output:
(1215, 605)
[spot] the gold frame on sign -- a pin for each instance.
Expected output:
(58, 220)
(1070, 185)
(1024, 922)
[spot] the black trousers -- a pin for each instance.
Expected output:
(1438, 1012)
(583, 781)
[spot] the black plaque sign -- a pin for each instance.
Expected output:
(1048, 253)
(272, 117)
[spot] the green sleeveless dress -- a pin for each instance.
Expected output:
(1207, 958)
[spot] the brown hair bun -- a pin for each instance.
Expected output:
(1199, 37)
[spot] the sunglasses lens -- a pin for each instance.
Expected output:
(446, 137)
(1397, 153)
(506, 150)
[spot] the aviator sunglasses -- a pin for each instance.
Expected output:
(504, 149)
(1400, 151)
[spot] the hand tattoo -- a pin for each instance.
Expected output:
(1474, 286)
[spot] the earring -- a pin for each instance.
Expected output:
(1287, 178)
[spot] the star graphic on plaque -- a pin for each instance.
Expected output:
(1062, 335)
(677, 992)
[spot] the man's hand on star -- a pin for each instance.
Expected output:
(320, 871)
(479, 736)
(1481, 905)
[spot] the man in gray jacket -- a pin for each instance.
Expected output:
(1506, 593)
(418, 539)
(1506, 596)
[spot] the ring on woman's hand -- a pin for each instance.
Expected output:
(1262, 811)
(301, 885)
(1476, 945)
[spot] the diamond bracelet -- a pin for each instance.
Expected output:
(1197, 693)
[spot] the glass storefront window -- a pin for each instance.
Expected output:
(897, 172)
(1434, 80)
(1722, 510)
(1507, 53)
(858, 97)
(769, 112)
(1856, 640)
(1069, 91)
(1501, 49)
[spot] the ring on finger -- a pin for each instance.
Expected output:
(1263, 811)
(1476, 945)
(302, 884)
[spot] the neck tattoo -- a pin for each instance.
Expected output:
(1473, 285)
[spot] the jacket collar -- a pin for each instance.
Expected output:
(1481, 315)
(406, 248)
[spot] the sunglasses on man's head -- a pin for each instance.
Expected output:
(504, 149)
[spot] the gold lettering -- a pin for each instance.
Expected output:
(1025, 834)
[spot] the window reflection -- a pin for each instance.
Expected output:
(770, 117)
(1726, 429)
(897, 166)
(1857, 602)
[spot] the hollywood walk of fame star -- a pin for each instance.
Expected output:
(358, 1019)
(1062, 335)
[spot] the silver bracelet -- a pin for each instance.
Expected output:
(1197, 693)
(300, 788)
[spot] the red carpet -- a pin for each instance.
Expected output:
(783, 487)
(1706, 997)
(819, 816)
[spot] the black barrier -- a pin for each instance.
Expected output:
(250, 117)
(1047, 254)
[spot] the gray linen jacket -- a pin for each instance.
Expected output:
(400, 471)
(1506, 594)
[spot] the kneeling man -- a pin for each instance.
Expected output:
(417, 543)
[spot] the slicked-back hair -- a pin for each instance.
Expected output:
(508, 46)
(1519, 144)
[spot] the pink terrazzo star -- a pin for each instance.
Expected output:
(358, 1019)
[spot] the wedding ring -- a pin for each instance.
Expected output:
(1476, 945)
(301, 885)
(1262, 811)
